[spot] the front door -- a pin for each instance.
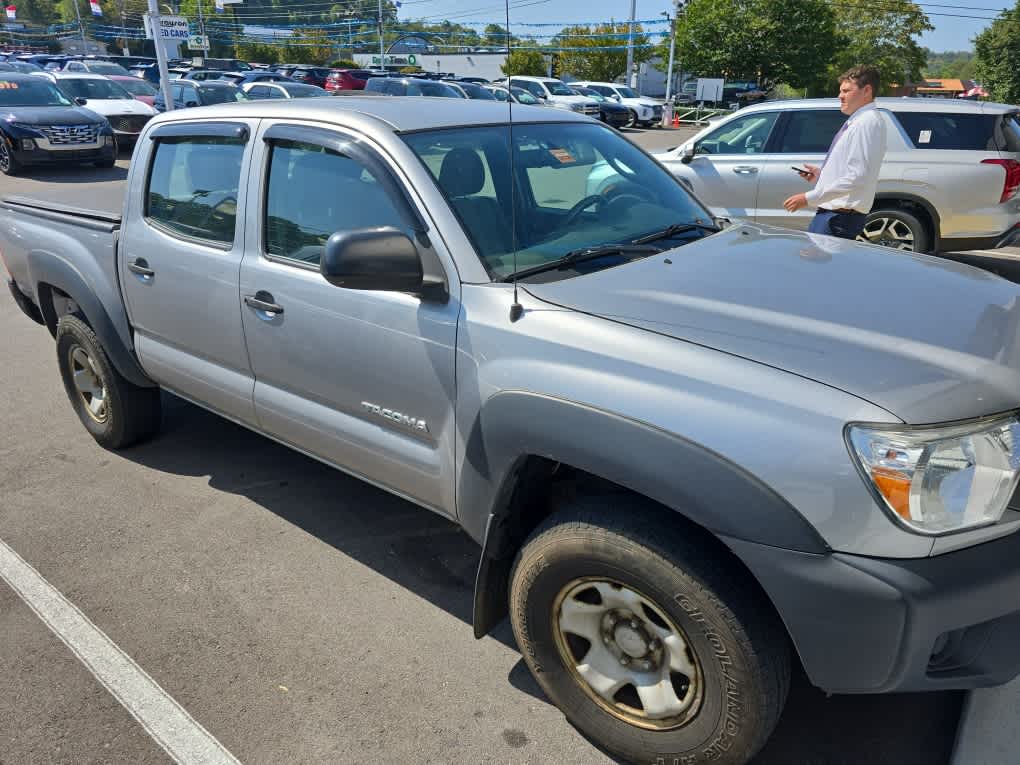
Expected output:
(183, 237)
(802, 137)
(727, 164)
(361, 379)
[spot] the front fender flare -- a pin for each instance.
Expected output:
(701, 485)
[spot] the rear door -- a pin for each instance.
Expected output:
(802, 137)
(180, 252)
(728, 162)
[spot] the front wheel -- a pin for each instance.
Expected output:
(115, 412)
(8, 164)
(655, 650)
(897, 229)
(631, 118)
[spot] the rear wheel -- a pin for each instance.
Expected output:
(897, 229)
(116, 412)
(645, 639)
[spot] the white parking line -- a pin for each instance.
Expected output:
(164, 719)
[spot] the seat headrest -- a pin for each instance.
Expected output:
(462, 173)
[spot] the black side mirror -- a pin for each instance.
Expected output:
(79, 101)
(688, 154)
(381, 258)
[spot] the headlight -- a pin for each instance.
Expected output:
(577, 107)
(942, 479)
(28, 128)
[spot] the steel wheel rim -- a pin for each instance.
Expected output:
(89, 384)
(634, 652)
(5, 155)
(888, 232)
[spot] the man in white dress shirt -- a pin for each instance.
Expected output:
(846, 182)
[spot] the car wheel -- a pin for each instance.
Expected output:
(106, 164)
(897, 229)
(632, 118)
(116, 412)
(8, 164)
(649, 642)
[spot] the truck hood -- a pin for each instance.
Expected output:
(927, 339)
(117, 107)
(48, 115)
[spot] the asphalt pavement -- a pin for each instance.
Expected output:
(295, 614)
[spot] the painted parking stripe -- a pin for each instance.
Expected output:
(164, 719)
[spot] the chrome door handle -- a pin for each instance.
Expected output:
(745, 170)
(140, 266)
(263, 301)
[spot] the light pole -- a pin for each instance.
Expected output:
(382, 54)
(630, 43)
(677, 7)
(81, 28)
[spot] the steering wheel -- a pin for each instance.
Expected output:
(575, 212)
(214, 209)
(617, 192)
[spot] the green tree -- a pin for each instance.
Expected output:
(37, 11)
(768, 41)
(599, 53)
(883, 35)
(954, 63)
(495, 36)
(308, 46)
(997, 50)
(525, 63)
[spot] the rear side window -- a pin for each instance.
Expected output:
(1009, 131)
(193, 187)
(810, 131)
(934, 130)
(314, 192)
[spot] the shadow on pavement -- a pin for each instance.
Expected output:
(434, 559)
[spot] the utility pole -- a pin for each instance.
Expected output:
(160, 46)
(123, 31)
(382, 53)
(677, 6)
(630, 43)
(201, 28)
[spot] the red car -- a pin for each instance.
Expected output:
(136, 86)
(347, 79)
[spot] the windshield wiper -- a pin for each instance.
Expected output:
(675, 230)
(585, 253)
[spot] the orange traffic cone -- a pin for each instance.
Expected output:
(676, 119)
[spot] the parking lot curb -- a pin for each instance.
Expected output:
(988, 732)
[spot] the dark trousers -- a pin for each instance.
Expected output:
(843, 225)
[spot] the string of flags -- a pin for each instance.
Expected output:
(96, 10)
(12, 12)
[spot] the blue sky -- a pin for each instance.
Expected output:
(951, 31)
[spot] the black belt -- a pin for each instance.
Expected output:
(842, 211)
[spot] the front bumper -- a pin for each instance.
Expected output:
(75, 156)
(879, 625)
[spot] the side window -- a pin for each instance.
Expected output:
(743, 135)
(810, 131)
(935, 130)
(608, 92)
(312, 193)
(275, 92)
(193, 187)
(176, 92)
(259, 91)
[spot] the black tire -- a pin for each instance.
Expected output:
(122, 413)
(632, 121)
(8, 164)
(106, 164)
(740, 650)
(888, 226)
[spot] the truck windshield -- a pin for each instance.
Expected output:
(87, 87)
(30, 93)
(558, 88)
(626, 92)
(576, 186)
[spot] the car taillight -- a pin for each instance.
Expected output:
(1012, 182)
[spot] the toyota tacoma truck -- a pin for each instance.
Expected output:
(695, 455)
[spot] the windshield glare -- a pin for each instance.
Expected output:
(303, 91)
(577, 186)
(137, 87)
(106, 68)
(626, 92)
(558, 89)
(222, 95)
(30, 93)
(104, 90)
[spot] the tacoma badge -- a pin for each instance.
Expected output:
(398, 417)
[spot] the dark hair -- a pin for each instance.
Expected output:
(862, 75)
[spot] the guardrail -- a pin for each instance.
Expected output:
(696, 115)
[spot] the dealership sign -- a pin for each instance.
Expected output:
(170, 28)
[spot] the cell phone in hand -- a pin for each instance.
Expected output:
(801, 170)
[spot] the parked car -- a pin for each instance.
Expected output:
(94, 66)
(137, 87)
(347, 79)
(610, 111)
(22, 67)
(225, 64)
(311, 75)
(241, 79)
(39, 125)
(259, 90)
(188, 93)
(555, 93)
(471, 90)
(643, 111)
(517, 95)
(205, 74)
(126, 114)
(949, 180)
(150, 73)
(475, 80)
(411, 86)
(695, 458)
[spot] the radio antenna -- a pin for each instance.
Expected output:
(516, 309)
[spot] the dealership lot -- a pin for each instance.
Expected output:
(296, 614)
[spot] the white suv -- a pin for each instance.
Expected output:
(643, 111)
(949, 181)
(556, 93)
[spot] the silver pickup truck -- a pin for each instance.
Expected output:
(695, 455)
